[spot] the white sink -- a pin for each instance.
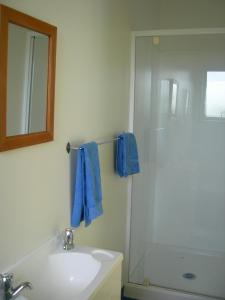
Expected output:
(65, 275)
(72, 271)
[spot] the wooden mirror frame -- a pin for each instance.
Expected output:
(9, 15)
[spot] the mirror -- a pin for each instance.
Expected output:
(27, 78)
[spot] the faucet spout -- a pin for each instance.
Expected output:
(16, 291)
(7, 289)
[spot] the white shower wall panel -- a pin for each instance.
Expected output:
(189, 191)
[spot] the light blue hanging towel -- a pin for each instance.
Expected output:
(87, 199)
(126, 160)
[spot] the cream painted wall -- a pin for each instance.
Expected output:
(91, 102)
(165, 14)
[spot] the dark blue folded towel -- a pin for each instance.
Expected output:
(126, 155)
(87, 200)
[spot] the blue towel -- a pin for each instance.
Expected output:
(87, 200)
(126, 155)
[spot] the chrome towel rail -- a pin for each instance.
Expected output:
(69, 147)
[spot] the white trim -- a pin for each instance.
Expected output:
(27, 82)
(127, 238)
(168, 32)
(134, 34)
(129, 184)
(132, 81)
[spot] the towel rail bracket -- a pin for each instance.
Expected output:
(68, 148)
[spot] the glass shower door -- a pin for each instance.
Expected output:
(178, 200)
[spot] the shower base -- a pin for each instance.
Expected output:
(139, 292)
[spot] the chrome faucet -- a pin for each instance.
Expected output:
(68, 239)
(6, 285)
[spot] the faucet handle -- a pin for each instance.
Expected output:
(68, 230)
(6, 280)
(68, 233)
(6, 286)
(68, 239)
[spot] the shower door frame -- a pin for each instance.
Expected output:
(134, 35)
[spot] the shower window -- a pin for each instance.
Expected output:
(215, 95)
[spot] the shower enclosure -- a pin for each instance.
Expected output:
(177, 222)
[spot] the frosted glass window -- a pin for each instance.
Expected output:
(215, 95)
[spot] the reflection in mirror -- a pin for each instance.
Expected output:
(169, 94)
(215, 95)
(27, 74)
(174, 87)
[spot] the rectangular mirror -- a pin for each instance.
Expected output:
(27, 79)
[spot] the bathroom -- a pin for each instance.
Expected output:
(93, 91)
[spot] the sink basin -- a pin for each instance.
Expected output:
(78, 274)
(72, 271)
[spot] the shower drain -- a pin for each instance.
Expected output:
(189, 276)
